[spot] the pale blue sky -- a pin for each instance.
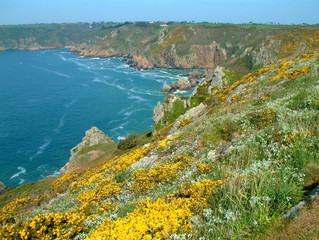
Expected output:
(231, 11)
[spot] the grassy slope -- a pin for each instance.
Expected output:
(46, 35)
(224, 173)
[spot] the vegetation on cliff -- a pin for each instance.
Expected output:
(43, 36)
(223, 168)
(178, 45)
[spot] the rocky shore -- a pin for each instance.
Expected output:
(183, 84)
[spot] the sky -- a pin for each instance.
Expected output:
(226, 11)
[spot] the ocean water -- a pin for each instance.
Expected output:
(48, 99)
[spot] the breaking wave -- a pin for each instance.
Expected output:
(21, 171)
(41, 148)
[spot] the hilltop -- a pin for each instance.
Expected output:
(224, 163)
(144, 45)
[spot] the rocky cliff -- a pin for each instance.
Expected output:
(87, 151)
(177, 46)
(203, 46)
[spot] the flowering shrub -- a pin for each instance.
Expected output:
(8, 211)
(157, 220)
(185, 122)
(104, 189)
(47, 226)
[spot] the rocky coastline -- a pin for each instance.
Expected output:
(183, 84)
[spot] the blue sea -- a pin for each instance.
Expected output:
(48, 99)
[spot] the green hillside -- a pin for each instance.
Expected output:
(38, 36)
(223, 164)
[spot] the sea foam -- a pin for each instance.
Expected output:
(22, 171)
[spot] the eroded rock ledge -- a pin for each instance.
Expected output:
(87, 151)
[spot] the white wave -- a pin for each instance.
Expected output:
(68, 105)
(52, 71)
(61, 124)
(129, 113)
(21, 171)
(46, 143)
(49, 173)
(163, 71)
(42, 167)
(127, 90)
(120, 138)
(21, 181)
(179, 91)
(79, 64)
(125, 110)
(119, 127)
(57, 73)
(136, 97)
(84, 85)
(63, 58)
(111, 84)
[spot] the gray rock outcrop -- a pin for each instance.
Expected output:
(217, 79)
(166, 106)
(92, 137)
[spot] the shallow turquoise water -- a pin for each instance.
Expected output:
(48, 99)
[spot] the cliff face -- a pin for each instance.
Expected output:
(202, 46)
(86, 151)
(199, 57)
(177, 46)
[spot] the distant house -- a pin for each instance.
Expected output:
(163, 25)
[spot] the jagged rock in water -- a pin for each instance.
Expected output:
(92, 137)
(195, 75)
(167, 88)
(181, 85)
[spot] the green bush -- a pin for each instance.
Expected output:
(130, 142)
(177, 110)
